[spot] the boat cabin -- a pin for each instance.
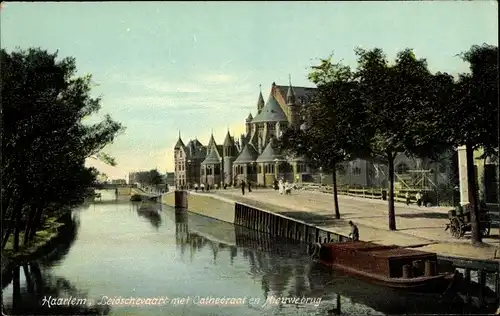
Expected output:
(387, 261)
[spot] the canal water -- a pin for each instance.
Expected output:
(124, 258)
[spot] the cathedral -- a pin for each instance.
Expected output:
(254, 156)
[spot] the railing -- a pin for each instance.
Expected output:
(370, 193)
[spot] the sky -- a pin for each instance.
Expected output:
(194, 67)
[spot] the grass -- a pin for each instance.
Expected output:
(42, 237)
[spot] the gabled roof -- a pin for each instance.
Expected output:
(270, 153)
(179, 144)
(228, 141)
(220, 149)
(195, 150)
(212, 158)
(271, 112)
(302, 94)
(249, 118)
(247, 155)
(211, 142)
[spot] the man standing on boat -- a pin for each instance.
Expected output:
(354, 235)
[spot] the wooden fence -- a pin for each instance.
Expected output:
(370, 193)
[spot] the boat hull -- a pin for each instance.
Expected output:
(390, 301)
(435, 284)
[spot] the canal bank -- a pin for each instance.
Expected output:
(140, 250)
(44, 239)
(257, 211)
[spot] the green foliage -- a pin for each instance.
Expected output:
(151, 177)
(45, 142)
(473, 117)
(334, 119)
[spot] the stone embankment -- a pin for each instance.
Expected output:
(418, 227)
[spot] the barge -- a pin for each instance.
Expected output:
(389, 266)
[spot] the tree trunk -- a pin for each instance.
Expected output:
(335, 193)
(29, 280)
(37, 277)
(29, 224)
(36, 222)
(390, 195)
(17, 229)
(11, 210)
(16, 290)
(6, 235)
(472, 189)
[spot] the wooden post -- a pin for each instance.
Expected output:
(481, 275)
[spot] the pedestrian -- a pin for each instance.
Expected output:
(354, 235)
(280, 185)
(243, 187)
(418, 196)
(249, 186)
(196, 187)
(202, 187)
(407, 195)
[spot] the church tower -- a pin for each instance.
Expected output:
(229, 155)
(292, 105)
(248, 124)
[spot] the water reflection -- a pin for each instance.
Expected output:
(35, 291)
(122, 249)
(284, 271)
(150, 211)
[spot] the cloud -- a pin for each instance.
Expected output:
(153, 109)
(219, 78)
(210, 91)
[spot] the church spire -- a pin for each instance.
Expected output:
(179, 143)
(260, 102)
(290, 96)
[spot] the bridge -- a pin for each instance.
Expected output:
(110, 186)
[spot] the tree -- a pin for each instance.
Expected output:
(45, 142)
(333, 131)
(473, 117)
(151, 177)
(394, 96)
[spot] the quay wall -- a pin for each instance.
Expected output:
(281, 226)
(206, 204)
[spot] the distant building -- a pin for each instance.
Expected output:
(170, 178)
(254, 157)
(132, 178)
(188, 159)
(119, 181)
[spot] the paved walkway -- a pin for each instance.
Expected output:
(418, 227)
